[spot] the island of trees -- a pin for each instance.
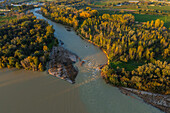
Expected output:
(145, 45)
(25, 42)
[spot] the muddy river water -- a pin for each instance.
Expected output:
(37, 92)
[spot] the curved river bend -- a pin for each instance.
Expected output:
(34, 92)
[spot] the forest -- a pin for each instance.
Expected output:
(123, 41)
(25, 42)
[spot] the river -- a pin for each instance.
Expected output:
(37, 92)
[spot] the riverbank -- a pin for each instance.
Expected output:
(88, 41)
(161, 102)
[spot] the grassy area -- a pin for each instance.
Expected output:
(142, 17)
(24, 0)
(129, 66)
(164, 8)
(3, 19)
(145, 17)
(104, 2)
(132, 65)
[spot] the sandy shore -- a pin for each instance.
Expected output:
(160, 101)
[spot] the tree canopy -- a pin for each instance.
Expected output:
(24, 43)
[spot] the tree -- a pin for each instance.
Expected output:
(36, 61)
(11, 61)
(45, 48)
(40, 67)
(157, 23)
(17, 65)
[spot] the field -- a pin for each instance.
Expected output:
(23, 0)
(104, 2)
(132, 6)
(164, 8)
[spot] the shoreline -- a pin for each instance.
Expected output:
(120, 88)
(162, 102)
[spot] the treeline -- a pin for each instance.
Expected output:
(25, 43)
(122, 40)
(151, 12)
(67, 15)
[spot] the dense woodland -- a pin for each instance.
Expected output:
(123, 41)
(67, 15)
(25, 42)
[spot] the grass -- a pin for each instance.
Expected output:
(3, 19)
(132, 64)
(129, 66)
(142, 17)
(104, 2)
(164, 8)
(23, 0)
(146, 17)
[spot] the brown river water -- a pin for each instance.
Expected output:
(37, 92)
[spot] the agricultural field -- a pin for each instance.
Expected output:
(16, 1)
(141, 7)
(104, 2)
(113, 3)
(163, 8)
